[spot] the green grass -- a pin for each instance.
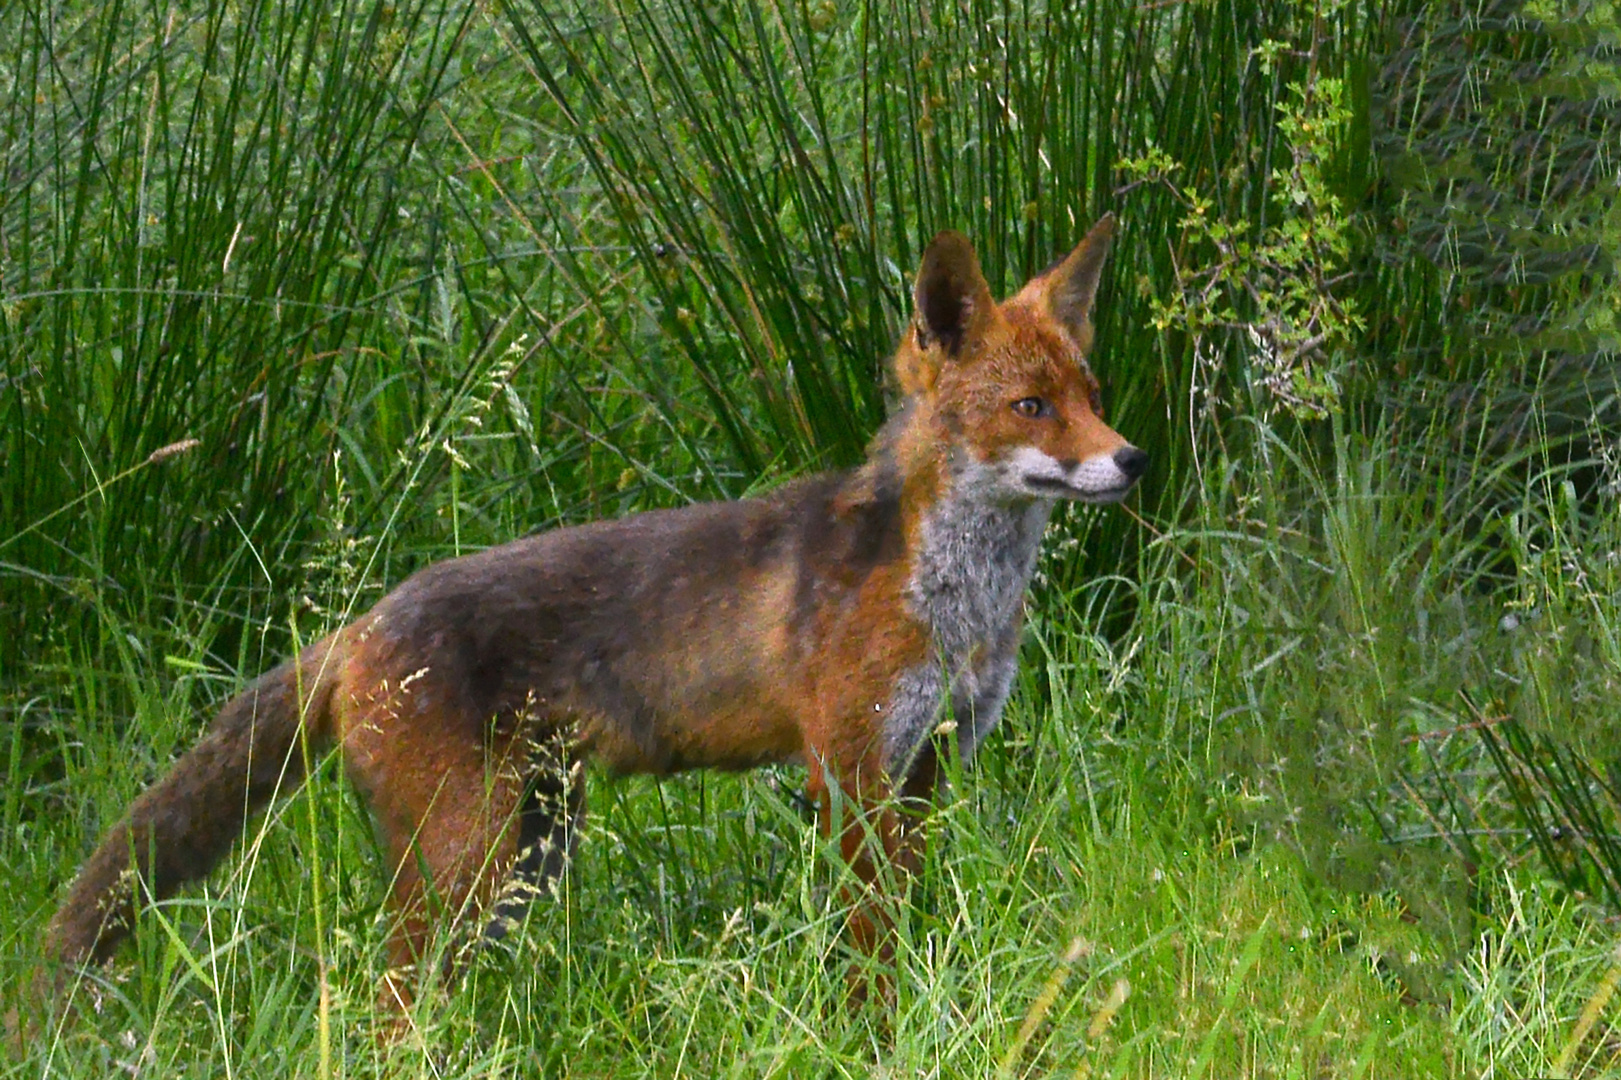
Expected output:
(1310, 769)
(699, 938)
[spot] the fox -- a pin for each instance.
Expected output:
(858, 623)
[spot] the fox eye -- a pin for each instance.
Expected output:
(1032, 408)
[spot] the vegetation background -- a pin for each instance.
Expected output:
(1312, 767)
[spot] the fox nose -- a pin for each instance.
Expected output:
(1131, 461)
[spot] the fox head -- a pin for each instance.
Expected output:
(1008, 383)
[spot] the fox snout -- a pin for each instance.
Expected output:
(1101, 478)
(1107, 478)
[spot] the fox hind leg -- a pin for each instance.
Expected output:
(447, 801)
(549, 824)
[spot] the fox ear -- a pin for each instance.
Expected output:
(953, 301)
(1068, 289)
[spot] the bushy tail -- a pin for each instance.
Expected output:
(181, 826)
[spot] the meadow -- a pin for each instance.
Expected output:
(1311, 766)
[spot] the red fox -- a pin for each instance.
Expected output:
(836, 622)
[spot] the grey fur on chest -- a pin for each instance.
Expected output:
(968, 587)
(975, 562)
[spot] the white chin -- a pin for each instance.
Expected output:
(1043, 488)
(1108, 495)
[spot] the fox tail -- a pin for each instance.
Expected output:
(182, 825)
